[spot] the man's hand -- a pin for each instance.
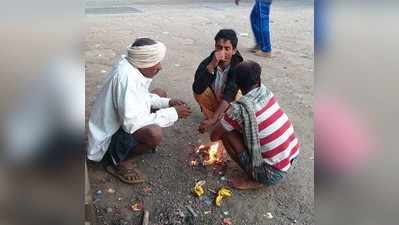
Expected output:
(205, 124)
(237, 2)
(217, 58)
(183, 111)
(174, 102)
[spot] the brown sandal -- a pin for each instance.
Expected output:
(129, 176)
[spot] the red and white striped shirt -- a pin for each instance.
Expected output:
(278, 142)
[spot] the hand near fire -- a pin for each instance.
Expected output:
(205, 124)
(174, 102)
(183, 111)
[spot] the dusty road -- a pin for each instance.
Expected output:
(187, 28)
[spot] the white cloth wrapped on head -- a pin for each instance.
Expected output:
(147, 55)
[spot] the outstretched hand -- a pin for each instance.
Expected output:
(183, 111)
(174, 102)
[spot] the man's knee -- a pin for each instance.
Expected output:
(150, 135)
(155, 136)
(160, 92)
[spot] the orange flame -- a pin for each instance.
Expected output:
(211, 153)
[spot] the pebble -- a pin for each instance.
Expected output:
(269, 215)
(181, 214)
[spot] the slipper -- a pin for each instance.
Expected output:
(129, 176)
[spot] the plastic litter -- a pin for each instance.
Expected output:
(137, 206)
(147, 189)
(223, 192)
(227, 221)
(198, 189)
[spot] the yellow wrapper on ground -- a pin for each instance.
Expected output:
(198, 190)
(222, 193)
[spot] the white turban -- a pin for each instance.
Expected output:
(146, 56)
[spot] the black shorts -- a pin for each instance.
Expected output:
(122, 144)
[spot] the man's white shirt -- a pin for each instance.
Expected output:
(125, 101)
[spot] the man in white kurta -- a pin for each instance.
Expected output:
(123, 119)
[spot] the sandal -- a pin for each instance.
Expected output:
(126, 175)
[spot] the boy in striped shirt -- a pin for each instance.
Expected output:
(256, 132)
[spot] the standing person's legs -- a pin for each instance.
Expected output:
(255, 24)
(264, 13)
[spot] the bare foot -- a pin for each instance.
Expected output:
(243, 183)
(128, 164)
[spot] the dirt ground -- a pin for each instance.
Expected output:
(188, 29)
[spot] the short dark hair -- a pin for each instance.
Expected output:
(227, 34)
(247, 75)
(143, 41)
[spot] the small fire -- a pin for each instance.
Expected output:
(211, 153)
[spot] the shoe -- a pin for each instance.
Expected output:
(263, 54)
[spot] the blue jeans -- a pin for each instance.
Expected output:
(260, 24)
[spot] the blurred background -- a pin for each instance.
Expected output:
(356, 92)
(42, 111)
